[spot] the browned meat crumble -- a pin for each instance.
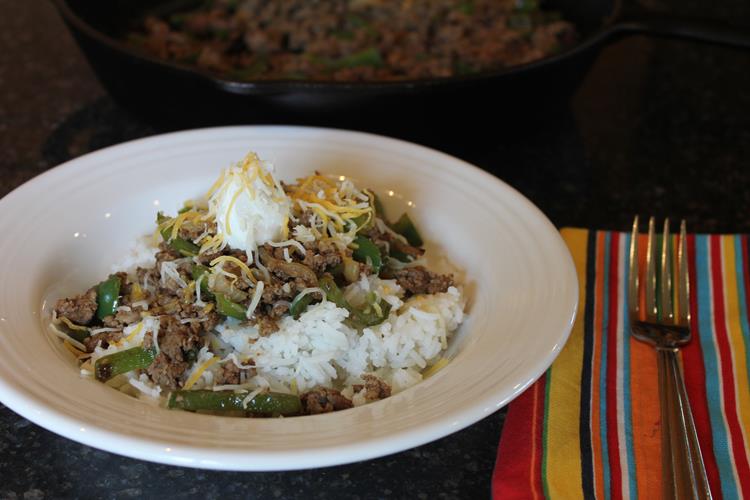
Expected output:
(324, 400)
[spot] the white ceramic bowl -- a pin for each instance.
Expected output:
(63, 230)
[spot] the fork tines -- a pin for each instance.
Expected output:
(660, 289)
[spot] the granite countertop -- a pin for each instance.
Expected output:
(657, 127)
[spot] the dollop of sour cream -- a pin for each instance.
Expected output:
(249, 204)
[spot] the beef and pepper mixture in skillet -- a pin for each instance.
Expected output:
(354, 40)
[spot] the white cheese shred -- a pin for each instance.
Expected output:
(169, 270)
(256, 300)
(250, 396)
(63, 336)
(289, 243)
(233, 357)
(198, 301)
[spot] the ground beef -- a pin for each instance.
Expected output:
(323, 400)
(228, 374)
(278, 309)
(176, 340)
(146, 276)
(319, 256)
(322, 255)
(165, 371)
(288, 271)
(278, 289)
(418, 280)
(206, 258)
(191, 230)
(105, 338)
(79, 309)
(128, 316)
(266, 324)
(375, 388)
(212, 318)
(165, 254)
(306, 218)
(121, 319)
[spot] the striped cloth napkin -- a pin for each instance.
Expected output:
(590, 427)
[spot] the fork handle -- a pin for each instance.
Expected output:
(684, 471)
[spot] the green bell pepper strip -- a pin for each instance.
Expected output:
(77, 335)
(107, 296)
(226, 307)
(199, 271)
(333, 292)
(299, 304)
(271, 403)
(358, 318)
(378, 206)
(367, 252)
(363, 222)
(466, 7)
(178, 244)
(122, 362)
(370, 316)
(367, 57)
(257, 68)
(527, 6)
(406, 228)
(360, 222)
(399, 255)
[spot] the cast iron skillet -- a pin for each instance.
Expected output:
(171, 93)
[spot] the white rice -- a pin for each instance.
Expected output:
(320, 349)
(140, 253)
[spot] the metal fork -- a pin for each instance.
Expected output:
(664, 322)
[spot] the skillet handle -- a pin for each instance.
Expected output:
(665, 25)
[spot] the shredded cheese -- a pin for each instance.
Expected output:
(251, 396)
(289, 243)
(76, 352)
(143, 304)
(336, 204)
(256, 299)
(237, 262)
(103, 330)
(198, 372)
(155, 337)
(309, 290)
(229, 210)
(198, 301)
(150, 390)
(131, 335)
(213, 244)
(169, 270)
(65, 337)
(233, 357)
(72, 325)
(432, 370)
